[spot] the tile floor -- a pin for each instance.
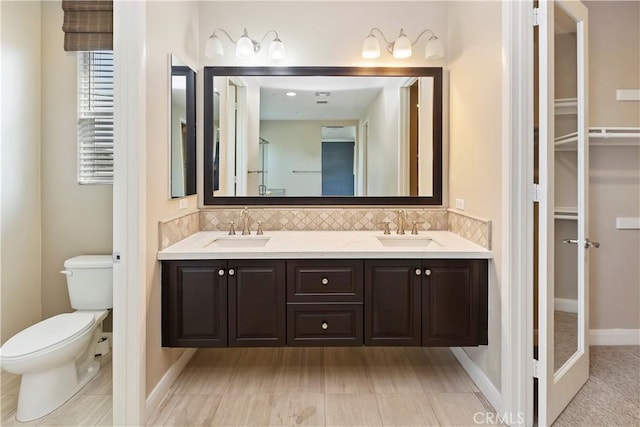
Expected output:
(92, 406)
(349, 386)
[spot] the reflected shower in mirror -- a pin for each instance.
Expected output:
(182, 119)
(318, 136)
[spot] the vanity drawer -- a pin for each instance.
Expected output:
(325, 281)
(324, 324)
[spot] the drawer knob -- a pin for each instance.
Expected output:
(231, 272)
(325, 325)
(221, 272)
(418, 272)
(427, 272)
(325, 281)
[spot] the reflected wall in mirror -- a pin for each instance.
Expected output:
(329, 135)
(182, 119)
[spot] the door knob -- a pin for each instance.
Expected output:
(427, 272)
(570, 241)
(325, 325)
(418, 272)
(589, 244)
(231, 272)
(221, 272)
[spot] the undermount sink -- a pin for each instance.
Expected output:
(240, 241)
(408, 240)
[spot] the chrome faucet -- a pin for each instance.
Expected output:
(402, 217)
(245, 222)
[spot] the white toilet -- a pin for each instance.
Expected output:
(56, 357)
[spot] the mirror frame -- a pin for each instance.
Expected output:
(211, 72)
(190, 172)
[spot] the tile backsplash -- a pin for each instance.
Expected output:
(325, 219)
(311, 219)
(174, 230)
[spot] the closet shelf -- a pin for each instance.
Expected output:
(566, 106)
(601, 136)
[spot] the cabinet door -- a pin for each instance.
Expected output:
(256, 303)
(392, 302)
(194, 304)
(453, 298)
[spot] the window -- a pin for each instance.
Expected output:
(95, 117)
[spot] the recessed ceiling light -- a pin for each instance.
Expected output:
(291, 94)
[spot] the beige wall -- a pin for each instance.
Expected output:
(172, 27)
(20, 167)
(614, 63)
(475, 140)
(76, 219)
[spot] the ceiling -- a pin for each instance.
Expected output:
(318, 97)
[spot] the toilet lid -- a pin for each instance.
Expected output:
(47, 333)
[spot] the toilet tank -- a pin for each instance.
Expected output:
(90, 281)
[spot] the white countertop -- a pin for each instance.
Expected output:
(321, 244)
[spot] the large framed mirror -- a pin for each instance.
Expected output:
(322, 136)
(182, 129)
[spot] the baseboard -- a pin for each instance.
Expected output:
(162, 388)
(481, 380)
(614, 337)
(566, 305)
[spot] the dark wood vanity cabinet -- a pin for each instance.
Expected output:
(438, 303)
(454, 303)
(247, 303)
(194, 304)
(324, 302)
(393, 306)
(223, 303)
(256, 303)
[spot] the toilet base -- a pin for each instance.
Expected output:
(44, 392)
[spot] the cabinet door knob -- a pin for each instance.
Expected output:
(325, 281)
(427, 272)
(231, 272)
(418, 272)
(325, 325)
(221, 272)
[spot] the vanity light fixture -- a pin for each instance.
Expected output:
(246, 47)
(401, 47)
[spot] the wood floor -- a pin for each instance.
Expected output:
(349, 386)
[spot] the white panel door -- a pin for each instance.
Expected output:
(563, 222)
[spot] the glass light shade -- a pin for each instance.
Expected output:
(370, 47)
(433, 49)
(402, 47)
(213, 47)
(277, 51)
(244, 47)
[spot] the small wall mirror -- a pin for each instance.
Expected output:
(182, 119)
(322, 135)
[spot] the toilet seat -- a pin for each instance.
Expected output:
(47, 335)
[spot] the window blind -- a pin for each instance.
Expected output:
(95, 117)
(88, 25)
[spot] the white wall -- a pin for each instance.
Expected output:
(20, 242)
(614, 178)
(296, 145)
(76, 219)
(382, 148)
(475, 154)
(180, 38)
(321, 33)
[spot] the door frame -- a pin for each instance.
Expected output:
(517, 224)
(129, 214)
